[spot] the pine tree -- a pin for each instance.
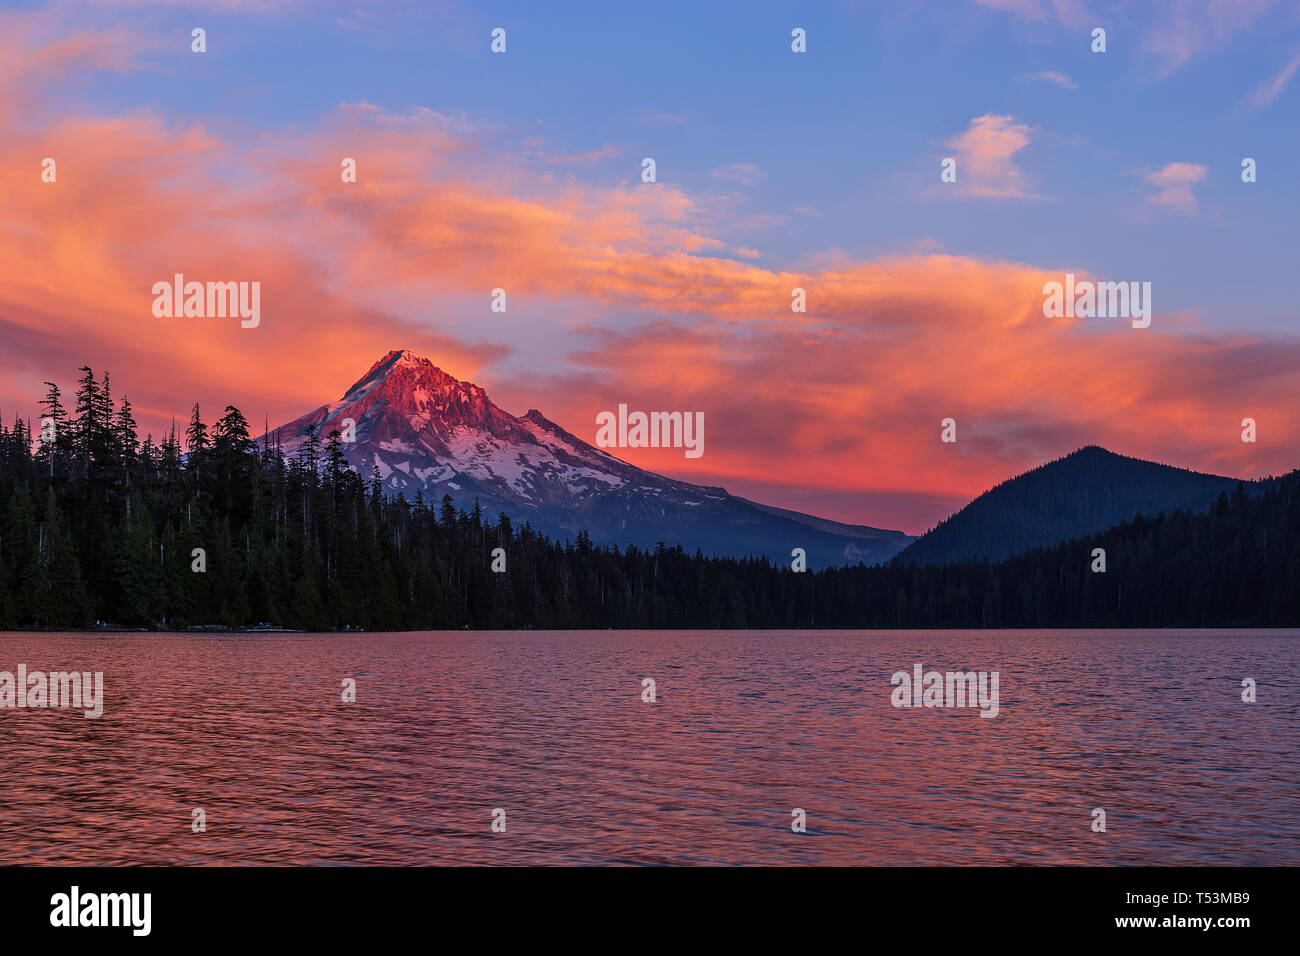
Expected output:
(54, 452)
(197, 444)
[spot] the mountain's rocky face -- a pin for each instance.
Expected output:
(429, 432)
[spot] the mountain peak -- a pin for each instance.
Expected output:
(1092, 451)
(427, 432)
(399, 358)
(403, 365)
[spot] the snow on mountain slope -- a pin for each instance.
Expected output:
(426, 431)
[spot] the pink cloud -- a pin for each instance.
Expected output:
(1174, 185)
(986, 158)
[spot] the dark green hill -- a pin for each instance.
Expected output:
(1085, 492)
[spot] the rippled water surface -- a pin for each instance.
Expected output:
(551, 727)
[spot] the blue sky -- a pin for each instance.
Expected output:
(851, 132)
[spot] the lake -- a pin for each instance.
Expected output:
(551, 727)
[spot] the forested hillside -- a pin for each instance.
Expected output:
(1085, 492)
(97, 525)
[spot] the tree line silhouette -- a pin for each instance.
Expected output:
(97, 525)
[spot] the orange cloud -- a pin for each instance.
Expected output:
(835, 409)
(852, 406)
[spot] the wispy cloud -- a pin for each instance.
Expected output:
(225, 6)
(986, 158)
(657, 118)
(1050, 76)
(608, 151)
(1174, 185)
(1274, 86)
(1182, 29)
(747, 174)
(1025, 9)
(1173, 32)
(1069, 12)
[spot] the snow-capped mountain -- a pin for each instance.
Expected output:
(427, 431)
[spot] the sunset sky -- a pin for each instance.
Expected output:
(775, 170)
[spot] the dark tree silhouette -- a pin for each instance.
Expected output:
(98, 525)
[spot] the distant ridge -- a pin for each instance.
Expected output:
(1086, 492)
